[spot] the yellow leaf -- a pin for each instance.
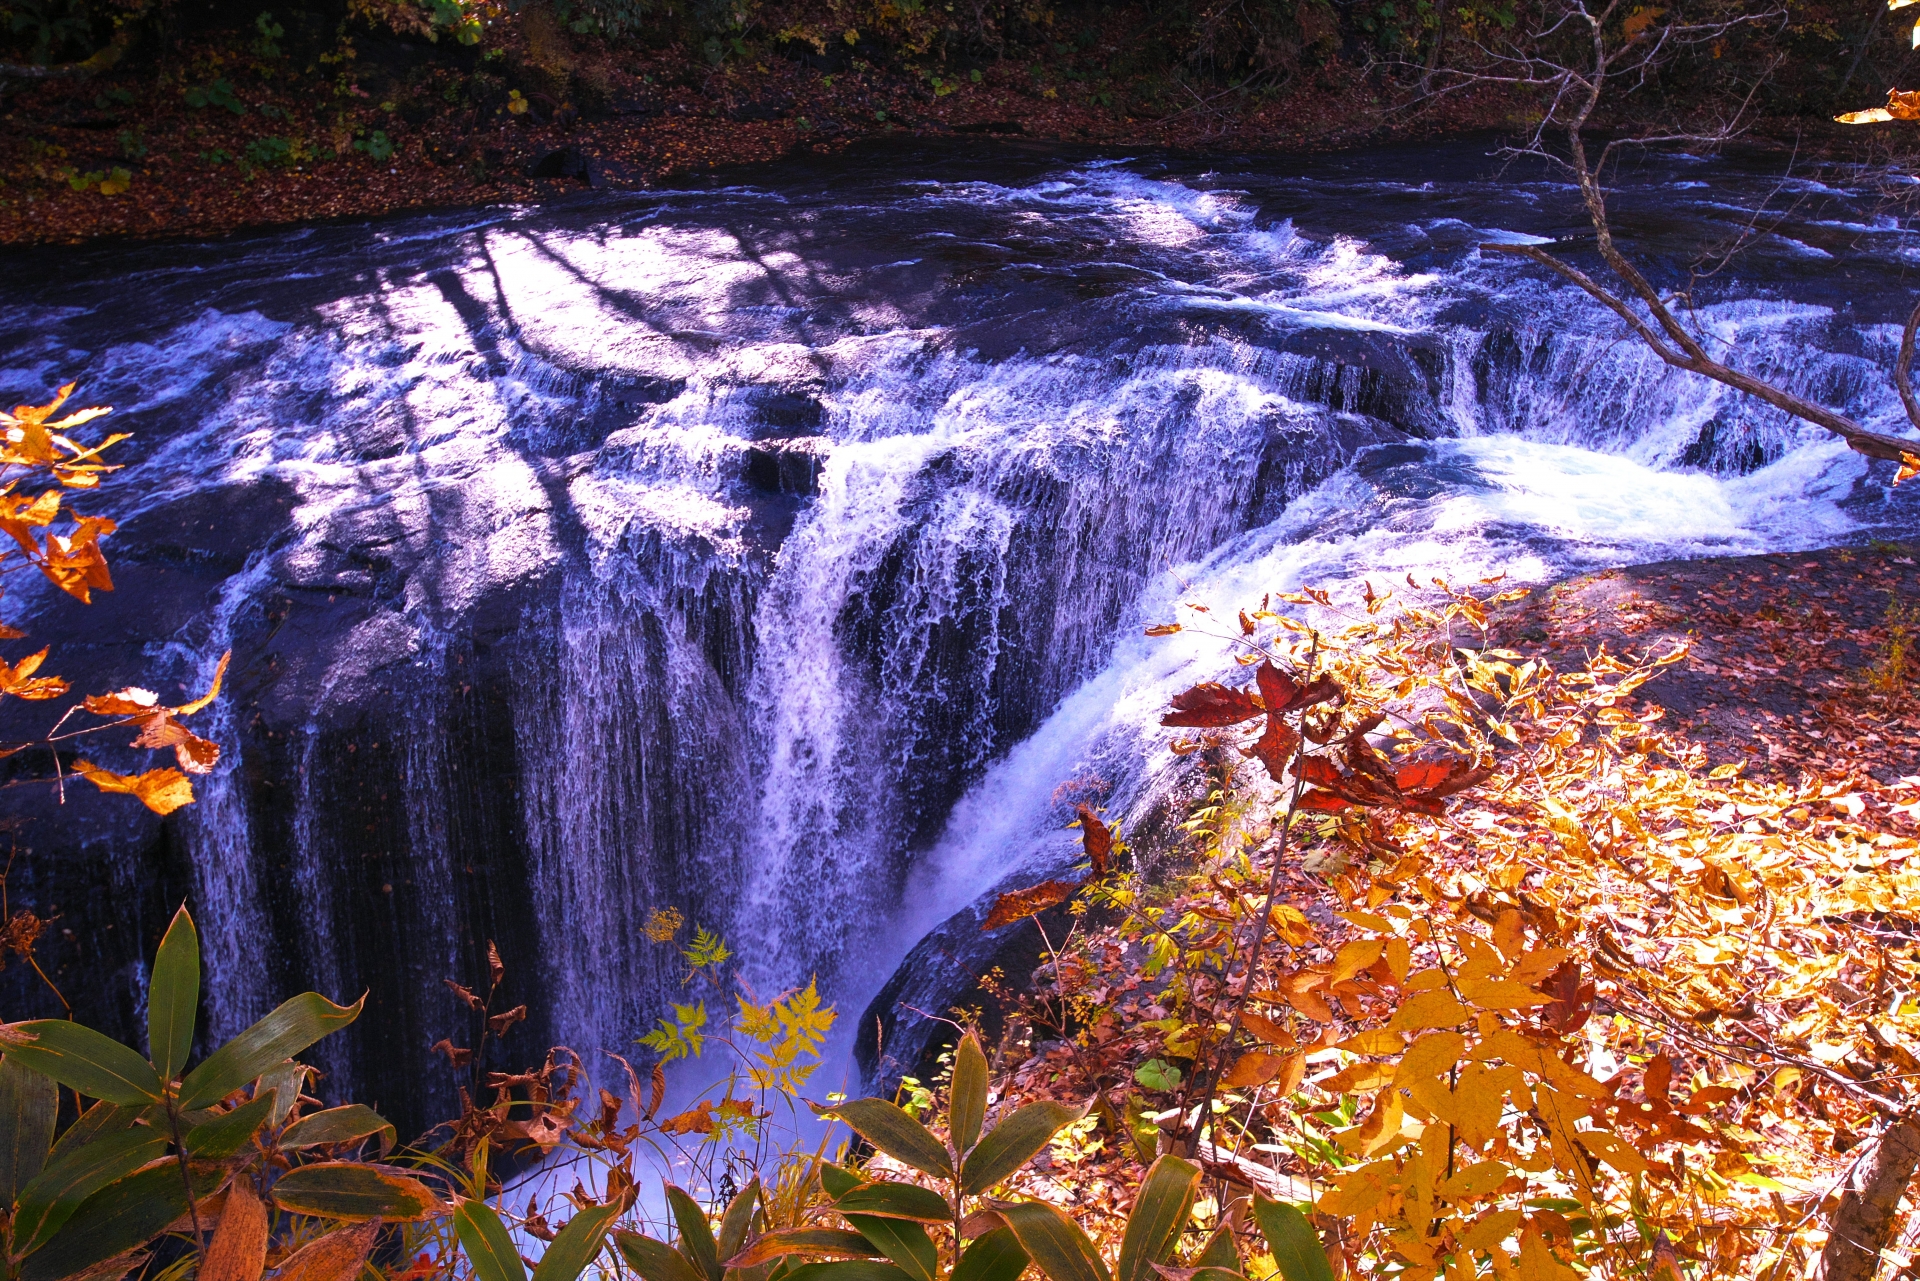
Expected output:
(161, 790)
(1537, 1262)
(1909, 463)
(1358, 1078)
(1475, 1181)
(1399, 956)
(1614, 1151)
(1354, 957)
(1374, 1041)
(1871, 116)
(1429, 1056)
(1502, 994)
(1490, 1230)
(1380, 1127)
(1437, 1008)
(1283, 1071)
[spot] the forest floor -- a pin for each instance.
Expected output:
(201, 141)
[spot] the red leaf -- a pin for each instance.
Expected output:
(1097, 839)
(1017, 905)
(1328, 802)
(1572, 1005)
(1420, 774)
(1211, 706)
(1275, 747)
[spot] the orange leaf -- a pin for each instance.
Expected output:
(161, 790)
(19, 680)
(1017, 905)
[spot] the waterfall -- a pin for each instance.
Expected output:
(777, 554)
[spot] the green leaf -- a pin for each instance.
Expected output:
(81, 1059)
(896, 1201)
(29, 1102)
(993, 1256)
(1296, 1246)
(173, 996)
(1160, 1211)
(1220, 1251)
(51, 1198)
(122, 1216)
(738, 1220)
(290, 1028)
(903, 1241)
(838, 1180)
(1157, 1074)
(339, 1125)
(847, 1270)
(221, 1137)
(653, 1260)
(102, 1118)
(801, 1242)
(1013, 1143)
(285, 1080)
(969, 1094)
(696, 1235)
(355, 1191)
(579, 1242)
(487, 1242)
(890, 1129)
(1057, 1245)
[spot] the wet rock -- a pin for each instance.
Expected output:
(790, 466)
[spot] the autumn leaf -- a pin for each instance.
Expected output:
(1096, 838)
(161, 790)
(19, 679)
(157, 725)
(1211, 706)
(1017, 905)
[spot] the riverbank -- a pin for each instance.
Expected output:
(203, 143)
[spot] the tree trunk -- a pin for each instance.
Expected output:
(1864, 1220)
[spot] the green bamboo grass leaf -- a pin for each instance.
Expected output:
(653, 1260)
(848, 1270)
(738, 1220)
(1295, 1245)
(100, 1119)
(50, 1199)
(969, 1094)
(1160, 1211)
(1166, 1273)
(577, 1245)
(696, 1235)
(1057, 1245)
(488, 1244)
(221, 1137)
(1220, 1251)
(173, 996)
(120, 1217)
(1013, 1143)
(993, 1256)
(290, 1028)
(83, 1060)
(903, 1241)
(837, 1179)
(896, 1133)
(896, 1201)
(805, 1243)
(355, 1192)
(337, 1125)
(29, 1102)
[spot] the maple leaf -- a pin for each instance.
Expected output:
(161, 790)
(1096, 838)
(1210, 706)
(1016, 905)
(19, 680)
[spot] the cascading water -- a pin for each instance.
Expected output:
(778, 553)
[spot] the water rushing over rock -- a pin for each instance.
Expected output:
(778, 552)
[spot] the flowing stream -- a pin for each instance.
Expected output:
(779, 552)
